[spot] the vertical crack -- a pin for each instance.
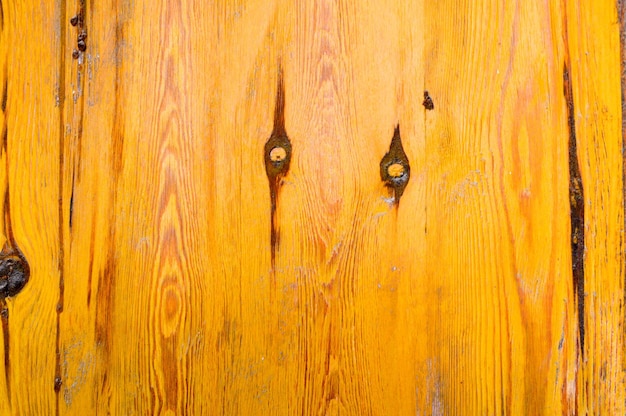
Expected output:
(621, 16)
(57, 382)
(4, 315)
(577, 210)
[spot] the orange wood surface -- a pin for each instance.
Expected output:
(171, 273)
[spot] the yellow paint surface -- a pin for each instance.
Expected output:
(136, 189)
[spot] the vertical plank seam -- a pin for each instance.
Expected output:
(61, 259)
(621, 17)
(4, 311)
(577, 209)
(576, 196)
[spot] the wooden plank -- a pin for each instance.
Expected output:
(344, 285)
(503, 337)
(195, 273)
(594, 65)
(145, 256)
(32, 88)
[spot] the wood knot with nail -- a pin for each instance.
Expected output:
(395, 170)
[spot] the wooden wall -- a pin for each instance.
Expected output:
(175, 266)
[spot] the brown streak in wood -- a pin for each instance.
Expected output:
(105, 300)
(5, 90)
(169, 363)
(117, 146)
(621, 15)
(104, 307)
(118, 115)
(4, 315)
(5, 148)
(277, 169)
(61, 259)
(91, 254)
(279, 108)
(71, 208)
(8, 228)
(5, 134)
(577, 210)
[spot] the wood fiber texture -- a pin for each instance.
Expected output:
(173, 270)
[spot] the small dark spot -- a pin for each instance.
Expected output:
(74, 20)
(82, 46)
(4, 313)
(75, 54)
(5, 91)
(428, 101)
(57, 384)
(82, 35)
(59, 307)
(71, 216)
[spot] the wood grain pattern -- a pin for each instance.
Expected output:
(599, 134)
(166, 280)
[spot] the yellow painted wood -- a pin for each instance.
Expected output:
(31, 126)
(593, 52)
(138, 193)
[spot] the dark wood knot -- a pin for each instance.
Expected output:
(14, 272)
(428, 101)
(277, 156)
(395, 170)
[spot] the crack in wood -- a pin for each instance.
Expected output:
(4, 315)
(621, 16)
(577, 210)
(60, 189)
(71, 208)
(5, 95)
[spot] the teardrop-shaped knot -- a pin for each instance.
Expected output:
(278, 146)
(395, 170)
(277, 156)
